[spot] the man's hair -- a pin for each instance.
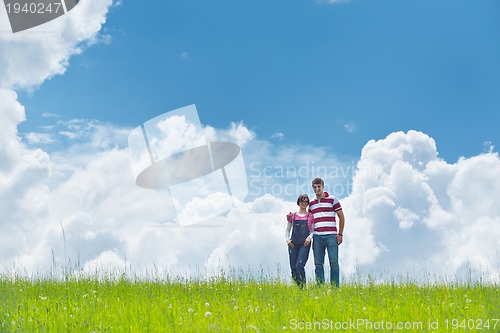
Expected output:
(318, 180)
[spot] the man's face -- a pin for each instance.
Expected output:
(318, 189)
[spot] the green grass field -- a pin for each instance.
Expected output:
(225, 305)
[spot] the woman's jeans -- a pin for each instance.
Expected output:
(328, 243)
(298, 258)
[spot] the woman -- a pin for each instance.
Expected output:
(299, 241)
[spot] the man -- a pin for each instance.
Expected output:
(327, 233)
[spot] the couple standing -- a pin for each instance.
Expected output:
(317, 224)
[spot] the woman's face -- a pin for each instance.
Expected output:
(304, 202)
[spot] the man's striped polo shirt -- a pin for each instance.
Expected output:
(324, 212)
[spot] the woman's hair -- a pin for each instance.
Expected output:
(302, 196)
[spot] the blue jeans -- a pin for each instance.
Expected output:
(298, 258)
(328, 243)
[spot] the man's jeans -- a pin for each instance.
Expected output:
(298, 258)
(328, 243)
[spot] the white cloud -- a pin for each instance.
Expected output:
(27, 59)
(107, 264)
(237, 133)
(422, 213)
(350, 127)
(278, 135)
(39, 138)
(49, 115)
(488, 147)
(30, 57)
(20, 168)
(240, 133)
(69, 135)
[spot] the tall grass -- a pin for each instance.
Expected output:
(122, 304)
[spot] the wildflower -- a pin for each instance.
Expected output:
(235, 308)
(190, 310)
(208, 314)
(207, 304)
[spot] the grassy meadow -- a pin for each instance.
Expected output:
(233, 305)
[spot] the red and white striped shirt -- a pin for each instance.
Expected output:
(324, 212)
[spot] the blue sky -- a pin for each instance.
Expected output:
(395, 103)
(337, 74)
